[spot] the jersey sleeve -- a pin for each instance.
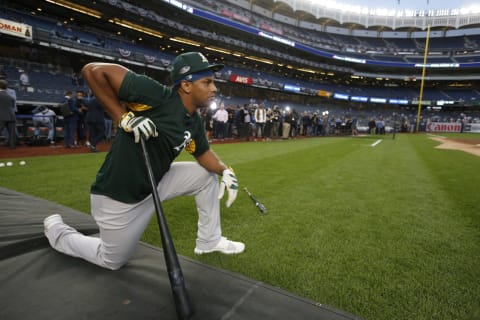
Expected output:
(140, 91)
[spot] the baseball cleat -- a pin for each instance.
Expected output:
(224, 246)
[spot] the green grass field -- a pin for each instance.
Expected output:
(384, 232)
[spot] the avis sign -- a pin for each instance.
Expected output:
(241, 79)
(444, 127)
(16, 29)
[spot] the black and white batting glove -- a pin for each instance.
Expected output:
(140, 126)
(229, 182)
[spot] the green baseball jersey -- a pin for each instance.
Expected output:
(123, 175)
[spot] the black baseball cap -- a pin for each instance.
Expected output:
(189, 63)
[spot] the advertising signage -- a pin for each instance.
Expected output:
(241, 79)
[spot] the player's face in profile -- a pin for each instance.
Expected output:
(203, 91)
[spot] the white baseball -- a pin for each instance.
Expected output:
(2, 164)
(9, 164)
(22, 163)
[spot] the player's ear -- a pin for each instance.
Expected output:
(186, 86)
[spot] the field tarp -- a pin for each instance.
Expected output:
(39, 283)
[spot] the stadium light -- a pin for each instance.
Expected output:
(185, 41)
(307, 70)
(211, 48)
(136, 27)
(259, 59)
(77, 8)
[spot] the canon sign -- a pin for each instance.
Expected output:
(443, 127)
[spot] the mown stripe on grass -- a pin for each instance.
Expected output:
(390, 232)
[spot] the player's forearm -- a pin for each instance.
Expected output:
(210, 161)
(104, 80)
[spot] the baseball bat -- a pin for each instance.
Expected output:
(258, 204)
(180, 295)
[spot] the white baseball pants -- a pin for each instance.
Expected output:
(122, 224)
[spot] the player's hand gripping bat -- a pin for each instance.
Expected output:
(258, 204)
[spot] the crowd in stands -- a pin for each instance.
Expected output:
(361, 47)
(250, 121)
(306, 123)
(118, 48)
(48, 82)
(42, 86)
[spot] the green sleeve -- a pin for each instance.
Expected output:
(142, 89)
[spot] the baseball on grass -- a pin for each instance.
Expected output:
(22, 163)
(9, 164)
(2, 164)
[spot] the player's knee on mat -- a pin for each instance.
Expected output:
(113, 265)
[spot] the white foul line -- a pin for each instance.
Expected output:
(436, 136)
(375, 143)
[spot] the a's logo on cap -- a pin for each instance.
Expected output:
(184, 69)
(189, 77)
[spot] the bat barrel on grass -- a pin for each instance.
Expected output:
(182, 301)
(258, 204)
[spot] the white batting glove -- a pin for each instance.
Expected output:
(229, 182)
(140, 126)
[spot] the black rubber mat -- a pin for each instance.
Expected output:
(39, 283)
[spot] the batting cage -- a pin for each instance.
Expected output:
(40, 283)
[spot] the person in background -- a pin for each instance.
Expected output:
(221, 119)
(380, 126)
(108, 126)
(260, 120)
(306, 124)
(70, 122)
(286, 126)
(24, 80)
(7, 114)
(294, 121)
(269, 124)
(239, 121)
(12, 94)
(207, 120)
(248, 122)
(81, 119)
(43, 116)
(276, 118)
(230, 122)
(95, 123)
(315, 120)
(372, 126)
(325, 124)
(354, 126)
